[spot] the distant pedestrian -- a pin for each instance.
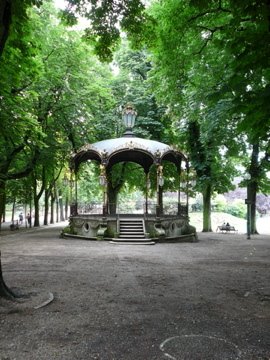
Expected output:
(29, 219)
(21, 218)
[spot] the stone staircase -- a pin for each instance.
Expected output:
(132, 231)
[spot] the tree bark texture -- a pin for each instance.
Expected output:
(46, 206)
(36, 206)
(2, 199)
(52, 209)
(114, 188)
(252, 187)
(112, 193)
(207, 227)
(13, 209)
(160, 199)
(66, 207)
(61, 207)
(4, 290)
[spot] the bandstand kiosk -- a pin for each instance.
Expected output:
(154, 223)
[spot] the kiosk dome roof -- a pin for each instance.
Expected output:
(131, 149)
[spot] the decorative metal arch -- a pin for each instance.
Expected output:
(144, 152)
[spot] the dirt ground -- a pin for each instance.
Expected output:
(205, 301)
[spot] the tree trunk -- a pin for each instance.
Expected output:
(61, 206)
(30, 213)
(207, 227)
(112, 198)
(38, 194)
(52, 209)
(57, 206)
(252, 193)
(114, 188)
(13, 210)
(25, 213)
(36, 206)
(2, 200)
(5, 21)
(4, 209)
(46, 206)
(66, 207)
(4, 290)
(252, 187)
(160, 199)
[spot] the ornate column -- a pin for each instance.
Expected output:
(160, 183)
(147, 192)
(73, 199)
(103, 183)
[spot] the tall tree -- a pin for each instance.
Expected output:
(49, 108)
(212, 59)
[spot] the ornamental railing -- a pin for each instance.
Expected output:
(130, 207)
(90, 208)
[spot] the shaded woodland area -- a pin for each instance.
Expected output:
(197, 73)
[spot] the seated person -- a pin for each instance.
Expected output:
(223, 227)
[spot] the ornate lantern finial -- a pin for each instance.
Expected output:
(129, 115)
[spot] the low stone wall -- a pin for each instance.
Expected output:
(161, 229)
(169, 227)
(85, 226)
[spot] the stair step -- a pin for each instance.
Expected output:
(123, 236)
(135, 242)
(139, 236)
(122, 240)
(115, 242)
(131, 233)
(131, 223)
(131, 230)
(131, 227)
(135, 220)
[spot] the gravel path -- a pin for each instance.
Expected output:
(207, 300)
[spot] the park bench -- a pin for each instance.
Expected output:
(226, 229)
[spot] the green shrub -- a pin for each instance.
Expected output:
(109, 233)
(236, 209)
(69, 230)
(219, 203)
